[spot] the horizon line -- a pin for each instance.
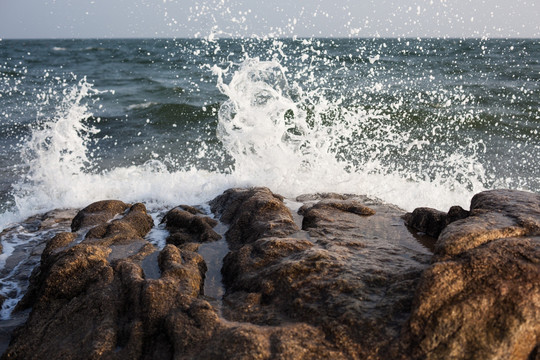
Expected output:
(281, 38)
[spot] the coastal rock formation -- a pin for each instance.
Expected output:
(494, 215)
(97, 213)
(324, 276)
(187, 224)
(76, 293)
(481, 296)
(253, 214)
(432, 221)
(23, 244)
(340, 275)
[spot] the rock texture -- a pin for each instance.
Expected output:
(432, 221)
(342, 278)
(25, 241)
(97, 213)
(253, 214)
(480, 299)
(339, 276)
(494, 215)
(91, 299)
(187, 224)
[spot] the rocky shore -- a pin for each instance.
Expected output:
(318, 277)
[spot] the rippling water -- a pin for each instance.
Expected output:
(415, 122)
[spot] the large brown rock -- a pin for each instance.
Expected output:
(97, 213)
(252, 214)
(88, 302)
(483, 304)
(481, 297)
(26, 240)
(135, 224)
(494, 215)
(350, 274)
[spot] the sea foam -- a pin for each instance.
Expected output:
(279, 135)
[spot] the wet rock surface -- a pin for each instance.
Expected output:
(90, 296)
(339, 276)
(187, 224)
(494, 214)
(483, 304)
(23, 245)
(253, 214)
(342, 278)
(97, 213)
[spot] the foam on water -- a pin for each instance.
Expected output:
(61, 171)
(295, 142)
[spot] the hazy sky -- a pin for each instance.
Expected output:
(189, 18)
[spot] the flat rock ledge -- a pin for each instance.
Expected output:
(337, 277)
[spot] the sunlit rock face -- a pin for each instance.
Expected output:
(481, 296)
(321, 276)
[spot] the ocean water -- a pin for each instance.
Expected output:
(414, 122)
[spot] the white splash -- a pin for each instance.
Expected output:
(281, 135)
(61, 172)
(296, 141)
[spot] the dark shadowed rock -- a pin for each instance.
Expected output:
(431, 221)
(456, 213)
(186, 224)
(427, 220)
(535, 355)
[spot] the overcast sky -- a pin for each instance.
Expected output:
(284, 18)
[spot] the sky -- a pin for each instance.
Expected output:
(278, 18)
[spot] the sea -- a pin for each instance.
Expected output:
(409, 121)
